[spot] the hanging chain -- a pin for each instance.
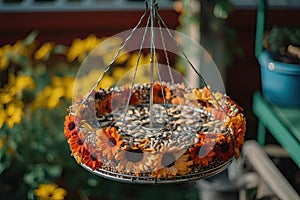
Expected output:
(153, 8)
(117, 54)
(190, 63)
(165, 52)
(135, 72)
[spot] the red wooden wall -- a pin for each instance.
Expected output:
(63, 27)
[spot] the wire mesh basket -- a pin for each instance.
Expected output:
(158, 130)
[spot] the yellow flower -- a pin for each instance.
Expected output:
(119, 72)
(24, 82)
(76, 50)
(51, 95)
(56, 94)
(3, 63)
(3, 60)
(84, 84)
(143, 73)
(106, 82)
(111, 52)
(14, 86)
(91, 42)
(108, 49)
(11, 52)
(123, 57)
(144, 60)
(50, 192)
(171, 162)
(68, 84)
(14, 113)
(81, 48)
(202, 94)
(43, 52)
(6, 96)
(2, 117)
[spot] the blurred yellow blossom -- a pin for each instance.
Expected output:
(6, 96)
(69, 83)
(51, 95)
(66, 83)
(24, 82)
(3, 60)
(85, 83)
(111, 53)
(14, 50)
(91, 42)
(56, 93)
(80, 48)
(14, 86)
(106, 82)
(44, 51)
(76, 51)
(14, 112)
(144, 60)
(50, 192)
(2, 117)
(119, 72)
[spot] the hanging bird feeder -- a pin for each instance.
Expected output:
(158, 131)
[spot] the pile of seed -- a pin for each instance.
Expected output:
(172, 125)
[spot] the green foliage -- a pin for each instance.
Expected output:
(279, 38)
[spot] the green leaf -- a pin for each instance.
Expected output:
(54, 171)
(30, 38)
(23, 61)
(60, 49)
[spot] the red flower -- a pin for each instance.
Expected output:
(224, 149)
(104, 105)
(134, 100)
(92, 157)
(202, 154)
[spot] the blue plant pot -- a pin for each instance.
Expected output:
(280, 81)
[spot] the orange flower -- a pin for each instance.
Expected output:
(92, 157)
(202, 94)
(108, 141)
(179, 99)
(70, 126)
(218, 113)
(209, 138)
(160, 92)
(77, 145)
(134, 160)
(171, 162)
(238, 124)
(202, 154)
(168, 93)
